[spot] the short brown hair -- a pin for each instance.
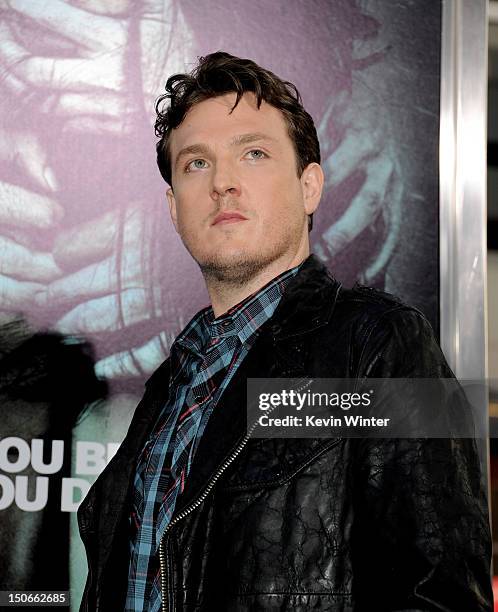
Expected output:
(220, 73)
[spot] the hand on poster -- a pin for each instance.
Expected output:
(80, 62)
(366, 146)
(108, 285)
(114, 291)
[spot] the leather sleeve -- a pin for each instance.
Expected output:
(421, 535)
(101, 515)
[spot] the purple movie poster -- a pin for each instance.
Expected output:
(88, 249)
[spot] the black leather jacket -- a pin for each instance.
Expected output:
(308, 524)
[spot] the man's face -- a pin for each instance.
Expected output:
(241, 163)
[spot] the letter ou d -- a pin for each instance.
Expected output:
(20, 493)
(8, 492)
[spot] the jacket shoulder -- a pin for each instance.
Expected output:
(369, 306)
(369, 296)
(384, 330)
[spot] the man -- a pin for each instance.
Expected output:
(192, 513)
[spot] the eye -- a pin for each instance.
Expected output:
(256, 154)
(195, 164)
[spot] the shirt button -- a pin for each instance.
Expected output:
(226, 323)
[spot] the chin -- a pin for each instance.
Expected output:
(227, 257)
(233, 265)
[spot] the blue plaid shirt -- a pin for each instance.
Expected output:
(204, 358)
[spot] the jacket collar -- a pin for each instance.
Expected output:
(308, 301)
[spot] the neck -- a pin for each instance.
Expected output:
(226, 292)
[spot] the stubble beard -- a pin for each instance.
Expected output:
(236, 269)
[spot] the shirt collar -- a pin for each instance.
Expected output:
(243, 319)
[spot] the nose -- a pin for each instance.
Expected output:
(225, 181)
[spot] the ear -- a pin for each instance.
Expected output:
(172, 207)
(312, 180)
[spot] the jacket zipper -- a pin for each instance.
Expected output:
(162, 563)
(162, 552)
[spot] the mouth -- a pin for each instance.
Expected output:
(225, 218)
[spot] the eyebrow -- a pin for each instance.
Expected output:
(237, 141)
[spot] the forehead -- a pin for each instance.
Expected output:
(211, 121)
